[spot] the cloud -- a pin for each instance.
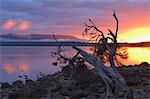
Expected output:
(64, 16)
(24, 25)
(14, 25)
(9, 24)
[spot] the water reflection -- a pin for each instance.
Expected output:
(138, 55)
(29, 60)
(24, 67)
(9, 68)
(32, 60)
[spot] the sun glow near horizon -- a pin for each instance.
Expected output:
(139, 55)
(130, 36)
(135, 35)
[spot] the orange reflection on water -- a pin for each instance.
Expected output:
(138, 55)
(10, 69)
(24, 67)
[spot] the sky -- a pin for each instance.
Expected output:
(68, 17)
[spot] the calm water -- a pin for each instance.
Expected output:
(32, 60)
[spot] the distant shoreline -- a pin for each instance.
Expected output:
(65, 43)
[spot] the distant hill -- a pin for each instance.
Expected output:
(36, 36)
(44, 40)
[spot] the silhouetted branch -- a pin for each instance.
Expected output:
(110, 75)
(117, 23)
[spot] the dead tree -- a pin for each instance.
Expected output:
(109, 74)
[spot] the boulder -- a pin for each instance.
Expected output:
(102, 90)
(5, 85)
(95, 87)
(131, 81)
(71, 86)
(66, 71)
(18, 83)
(30, 82)
(144, 64)
(77, 94)
(84, 77)
(56, 87)
(64, 91)
(39, 92)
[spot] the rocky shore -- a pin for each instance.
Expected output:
(81, 83)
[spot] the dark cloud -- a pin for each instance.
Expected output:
(67, 16)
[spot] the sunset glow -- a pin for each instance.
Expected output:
(24, 25)
(35, 35)
(138, 55)
(135, 35)
(13, 25)
(68, 17)
(9, 24)
(24, 67)
(10, 69)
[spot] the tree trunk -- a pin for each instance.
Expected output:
(105, 73)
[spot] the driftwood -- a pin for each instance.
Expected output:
(109, 74)
(114, 82)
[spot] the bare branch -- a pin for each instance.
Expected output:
(117, 23)
(112, 34)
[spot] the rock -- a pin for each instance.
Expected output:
(131, 81)
(18, 83)
(124, 94)
(64, 92)
(102, 90)
(66, 71)
(83, 85)
(130, 94)
(71, 86)
(67, 87)
(30, 82)
(95, 87)
(56, 95)
(38, 92)
(55, 63)
(56, 88)
(5, 85)
(77, 94)
(91, 97)
(144, 64)
(146, 92)
(146, 83)
(138, 93)
(127, 73)
(84, 77)
(96, 94)
(120, 94)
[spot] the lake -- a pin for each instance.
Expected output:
(35, 59)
